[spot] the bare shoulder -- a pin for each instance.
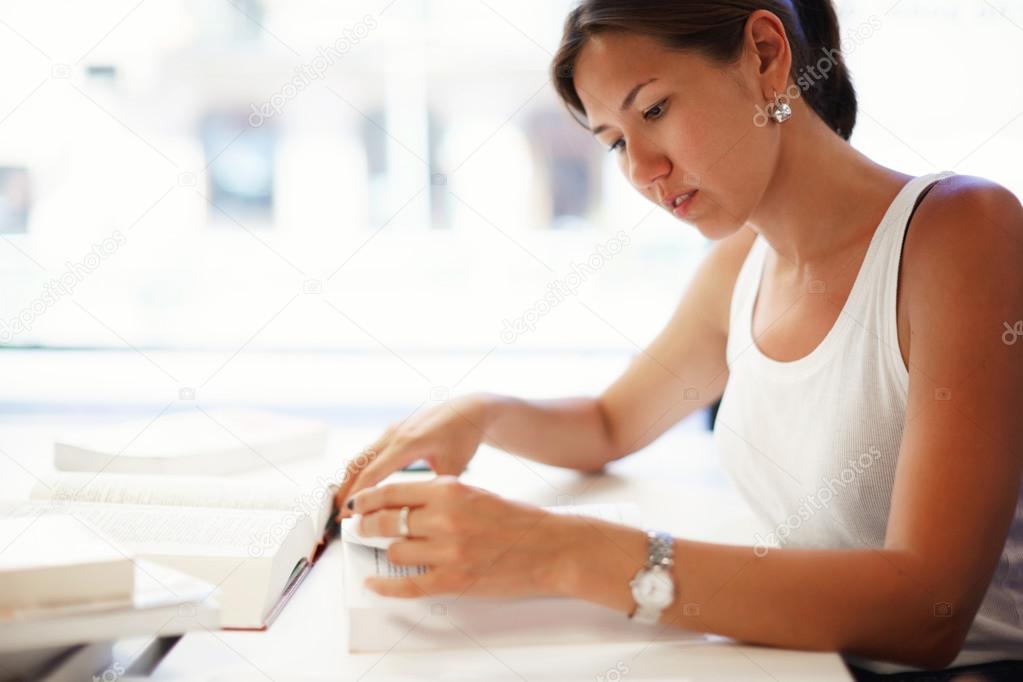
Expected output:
(965, 244)
(963, 211)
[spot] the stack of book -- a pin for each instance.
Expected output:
(255, 540)
(160, 536)
(63, 583)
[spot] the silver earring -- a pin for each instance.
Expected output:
(779, 110)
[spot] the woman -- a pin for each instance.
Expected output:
(850, 317)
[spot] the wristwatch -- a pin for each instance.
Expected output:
(653, 588)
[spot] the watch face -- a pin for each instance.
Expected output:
(654, 588)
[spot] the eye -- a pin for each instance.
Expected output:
(656, 111)
(651, 114)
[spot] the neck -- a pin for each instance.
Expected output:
(824, 196)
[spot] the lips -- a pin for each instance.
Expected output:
(679, 203)
(675, 199)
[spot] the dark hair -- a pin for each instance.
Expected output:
(714, 29)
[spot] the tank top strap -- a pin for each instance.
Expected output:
(875, 307)
(891, 232)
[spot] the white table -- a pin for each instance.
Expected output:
(677, 485)
(676, 482)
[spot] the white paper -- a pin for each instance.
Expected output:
(186, 528)
(350, 533)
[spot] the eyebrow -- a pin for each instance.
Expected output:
(626, 103)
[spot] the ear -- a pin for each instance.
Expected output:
(768, 47)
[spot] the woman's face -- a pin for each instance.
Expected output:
(690, 125)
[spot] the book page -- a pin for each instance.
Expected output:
(361, 562)
(380, 567)
(314, 501)
(350, 533)
(177, 530)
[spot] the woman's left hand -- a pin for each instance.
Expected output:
(473, 541)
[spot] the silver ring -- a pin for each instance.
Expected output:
(403, 522)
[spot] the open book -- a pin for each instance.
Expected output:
(254, 540)
(377, 623)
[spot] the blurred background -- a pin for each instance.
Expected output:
(356, 208)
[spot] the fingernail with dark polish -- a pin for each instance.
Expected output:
(351, 503)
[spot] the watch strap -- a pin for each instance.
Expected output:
(660, 553)
(660, 549)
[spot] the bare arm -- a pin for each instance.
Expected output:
(567, 432)
(681, 371)
(957, 482)
(684, 368)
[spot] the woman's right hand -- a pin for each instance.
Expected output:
(446, 436)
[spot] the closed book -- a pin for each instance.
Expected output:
(164, 603)
(212, 441)
(57, 559)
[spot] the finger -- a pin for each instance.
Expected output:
(387, 522)
(352, 471)
(410, 493)
(368, 478)
(378, 468)
(420, 552)
(358, 463)
(390, 460)
(431, 582)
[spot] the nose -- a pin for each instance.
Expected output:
(646, 163)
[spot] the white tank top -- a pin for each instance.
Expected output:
(812, 444)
